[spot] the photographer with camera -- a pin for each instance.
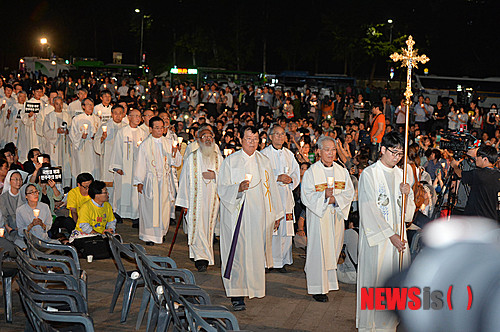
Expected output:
(484, 182)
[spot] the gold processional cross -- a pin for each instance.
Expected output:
(409, 59)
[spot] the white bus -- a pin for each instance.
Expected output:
(463, 90)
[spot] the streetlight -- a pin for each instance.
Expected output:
(43, 41)
(137, 10)
(390, 21)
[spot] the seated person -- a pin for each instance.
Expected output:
(50, 194)
(33, 216)
(96, 215)
(10, 200)
(347, 271)
(29, 165)
(79, 195)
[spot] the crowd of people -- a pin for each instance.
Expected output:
(259, 167)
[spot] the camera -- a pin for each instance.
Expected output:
(458, 142)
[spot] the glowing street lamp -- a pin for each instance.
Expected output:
(43, 41)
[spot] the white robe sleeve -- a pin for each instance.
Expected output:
(98, 146)
(140, 167)
(177, 160)
(227, 190)
(76, 136)
(184, 181)
(371, 218)
(312, 199)
(116, 160)
(49, 130)
(344, 199)
(295, 173)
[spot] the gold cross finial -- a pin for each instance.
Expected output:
(410, 59)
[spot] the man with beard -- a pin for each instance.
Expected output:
(198, 195)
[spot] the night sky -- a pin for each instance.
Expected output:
(330, 37)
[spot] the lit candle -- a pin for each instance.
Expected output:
(99, 113)
(40, 160)
(85, 127)
(163, 92)
(104, 86)
(443, 164)
(329, 181)
(179, 139)
(2, 230)
(104, 129)
(36, 212)
(186, 116)
(264, 140)
(226, 152)
(139, 142)
(174, 143)
(223, 133)
(301, 144)
(248, 177)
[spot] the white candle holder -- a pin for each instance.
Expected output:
(104, 129)
(179, 140)
(248, 177)
(40, 160)
(330, 181)
(36, 213)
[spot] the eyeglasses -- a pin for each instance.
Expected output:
(205, 137)
(85, 187)
(35, 192)
(252, 140)
(279, 134)
(396, 153)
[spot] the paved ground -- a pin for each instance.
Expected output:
(286, 307)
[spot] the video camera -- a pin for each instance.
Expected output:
(458, 142)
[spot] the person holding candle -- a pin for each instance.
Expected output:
(104, 143)
(55, 129)
(198, 194)
(82, 132)
(105, 106)
(151, 176)
(122, 162)
(327, 192)
(249, 198)
(287, 173)
(75, 107)
(34, 216)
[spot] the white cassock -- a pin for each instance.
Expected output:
(193, 146)
(174, 181)
(29, 127)
(23, 136)
(124, 157)
(104, 150)
(145, 129)
(83, 157)
(58, 145)
(325, 224)
(262, 208)
(39, 118)
(199, 197)
(283, 162)
(6, 120)
(153, 166)
(17, 133)
(380, 217)
(75, 108)
(105, 111)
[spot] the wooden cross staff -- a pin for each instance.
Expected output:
(409, 59)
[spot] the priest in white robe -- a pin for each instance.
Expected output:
(198, 194)
(7, 103)
(327, 192)
(33, 118)
(47, 107)
(83, 129)
(75, 107)
(380, 196)
(55, 129)
(151, 176)
(123, 161)
(103, 110)
(262, 212)
(287, 173)
(104, 143)
(24, 137)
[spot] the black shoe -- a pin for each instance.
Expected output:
(282, 270)
(201, 265)
(172, 222)
(150, 243)
(268, 270)
(135, 225)
(320, 297)
(238, 303)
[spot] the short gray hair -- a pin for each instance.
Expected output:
(322, 141)
(271, 130)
